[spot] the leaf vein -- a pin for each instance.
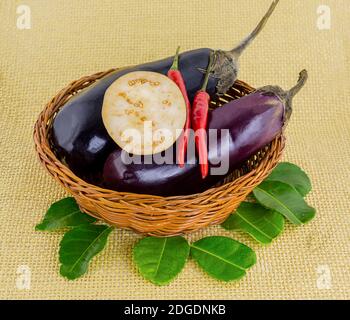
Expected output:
(281, 203)
(82, 255)
(160, 258)
(220, 258)
(253, 226)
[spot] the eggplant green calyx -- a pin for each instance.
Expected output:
(287, 96)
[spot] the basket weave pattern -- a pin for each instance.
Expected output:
(148, 214)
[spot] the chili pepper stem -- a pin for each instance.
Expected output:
(207, 74)
(175, 65)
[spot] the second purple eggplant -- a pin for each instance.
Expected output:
(252, 121)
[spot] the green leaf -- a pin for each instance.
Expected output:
(161, 259)
(64, 213)
(262, 224)
(79, 246)
(284, 199)
(293, 175)
(223, 258)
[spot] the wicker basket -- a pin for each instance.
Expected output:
(148, 214)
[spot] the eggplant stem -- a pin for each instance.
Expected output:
(237, 51)
(226, 66)
(301, 82)
(289, 95)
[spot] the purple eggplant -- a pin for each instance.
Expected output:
(78, 135)
(252, 121)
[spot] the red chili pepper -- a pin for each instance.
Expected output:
(200, 110)
(175, 75)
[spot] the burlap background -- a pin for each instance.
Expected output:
(69, 39)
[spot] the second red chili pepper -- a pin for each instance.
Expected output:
(200, 110)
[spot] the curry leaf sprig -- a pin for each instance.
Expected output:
(160, 260)
(262, 224)
(81, 243)
(280, 196)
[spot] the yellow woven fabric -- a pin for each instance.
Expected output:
(69, 39)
